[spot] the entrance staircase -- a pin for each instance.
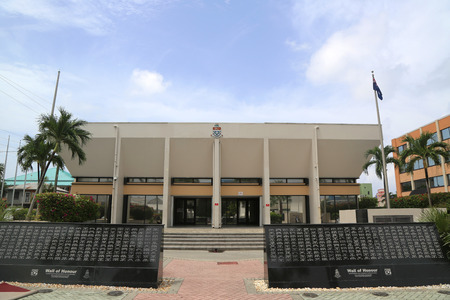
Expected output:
(214, 240)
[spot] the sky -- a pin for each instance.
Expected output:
(305, 61)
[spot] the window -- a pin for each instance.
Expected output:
(437, 181)
(145, 209)
(241, 181)
(337, 180)
(104, 209)
(288, 180)
(433, 139)
(331, 205)
(406, 186)
(431, 162)
(418, 164)
(156, 180)
(402, 168)
(187, 180)
(288, 210)
(94, 179)
(401, 148)
(445, 133)
(420, 184)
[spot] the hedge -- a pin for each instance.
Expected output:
(421, 201)
(57, 207)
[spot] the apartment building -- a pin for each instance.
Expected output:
(439, 175)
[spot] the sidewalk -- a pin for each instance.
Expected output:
(203, 275)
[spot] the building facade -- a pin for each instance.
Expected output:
(215, 175)
(439, 175)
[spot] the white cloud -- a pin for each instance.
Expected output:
(147, 83)
(94, 16)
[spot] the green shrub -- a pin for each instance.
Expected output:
(368, 202)
(442, 220)
(275, 218)
(3, 210)
(141, 213)
(21, 213)
(57, 207)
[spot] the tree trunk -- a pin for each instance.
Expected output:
(56, 179)
(40, 184)
(428, 186)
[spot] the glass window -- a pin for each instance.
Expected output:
(337, 180)
(420, 184)
(418, 164)
(431, 162)
(183, 180)
(155, 180)
(445, 133)
(287, 180)
(295, 180)
(87, 179)
(331, 205)
(105, 179)
(251, 181)
(277, 180)
(136, 180)
(104, 209)
(401, 148)
(433, 139)
(287, 209)
(406, 186)
(325, 180)
(145, 209)
(94, 179)
(437, 181)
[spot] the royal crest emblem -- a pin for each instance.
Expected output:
(217, 131)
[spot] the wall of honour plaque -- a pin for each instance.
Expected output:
(354, 255)
(81, 253)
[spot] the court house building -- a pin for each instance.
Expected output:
(219, 175)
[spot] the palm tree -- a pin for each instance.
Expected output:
(376, 158)
(424, 148)
(58, 132)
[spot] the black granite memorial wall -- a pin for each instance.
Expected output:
(354, 255)
(81, 253)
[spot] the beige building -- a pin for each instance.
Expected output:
(230, 174)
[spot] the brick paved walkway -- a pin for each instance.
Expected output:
(210, 280)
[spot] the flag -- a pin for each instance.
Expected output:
(377, 89)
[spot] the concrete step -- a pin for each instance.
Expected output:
(213, 241)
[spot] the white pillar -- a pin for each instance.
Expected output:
(216, 201)
(117, 193)
(266, 184)
(167, 213)
(314, 186)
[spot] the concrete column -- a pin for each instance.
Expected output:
(266, 185)
(167, 199)
(216, 201)
(117, 193)
(314, 186)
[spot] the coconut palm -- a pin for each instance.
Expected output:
(59, 132)
(424, 148)
(376, 158)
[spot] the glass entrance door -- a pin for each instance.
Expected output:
(240, 211)
(192, 211)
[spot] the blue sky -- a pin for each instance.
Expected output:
(224, 61)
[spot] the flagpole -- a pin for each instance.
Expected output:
(386, 192)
